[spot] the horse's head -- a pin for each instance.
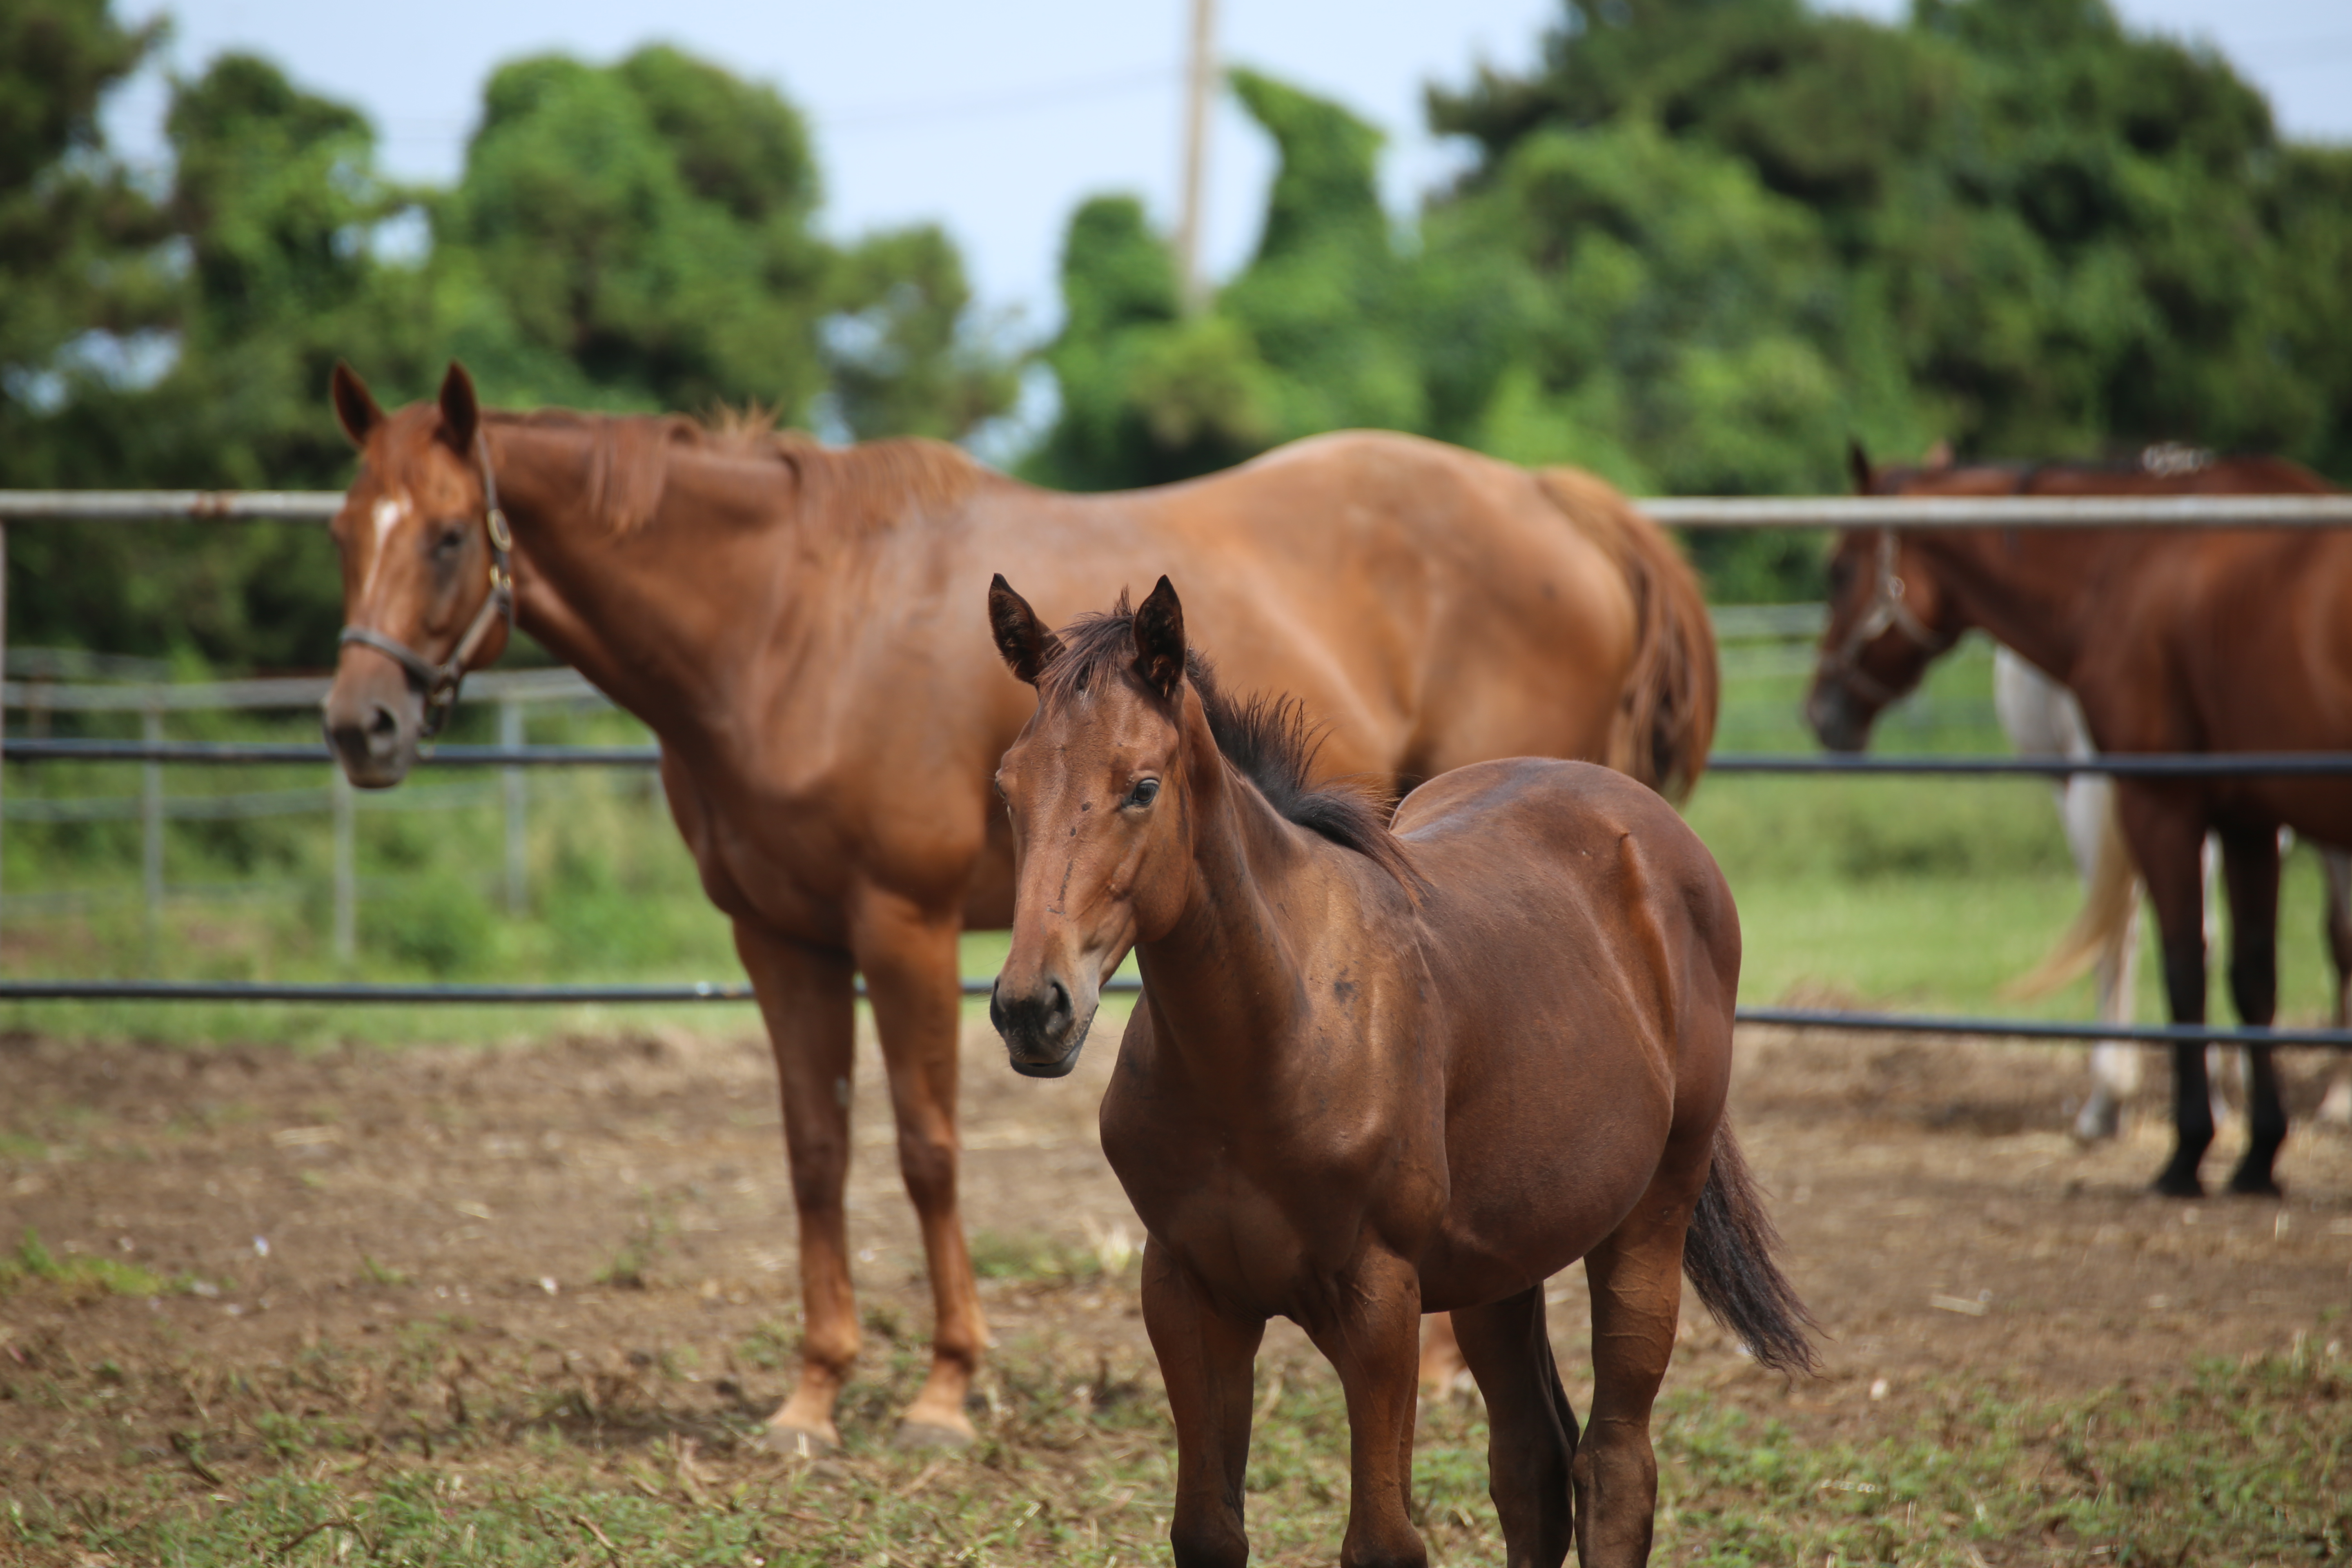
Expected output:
(426, 593)
(1888, 617)
(1098, 786)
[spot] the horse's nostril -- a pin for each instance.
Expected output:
(1057, 1000)
(382, 721)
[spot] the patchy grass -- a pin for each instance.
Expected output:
(79, 1275)
(451, 1443)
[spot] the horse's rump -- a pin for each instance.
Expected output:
(1667, 710)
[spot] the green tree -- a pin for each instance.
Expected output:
(77, 236)
(638, 236)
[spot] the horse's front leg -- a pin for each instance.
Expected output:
(909, 956)
(806, 997)
(2249, 867)
(1371, 1340)
(1206, 1359)
(2166, 831)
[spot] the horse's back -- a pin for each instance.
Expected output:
(1558, 877)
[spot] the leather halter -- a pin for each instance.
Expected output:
(438, 683)
(1887, 611)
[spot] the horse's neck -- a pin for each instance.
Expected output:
(656, 613)
(2029, 590)
(1224, 981)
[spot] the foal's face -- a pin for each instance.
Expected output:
(415, 557)
(1095, 789)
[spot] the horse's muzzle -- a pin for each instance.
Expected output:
(372, 731)
(1042, 1031)
(1837, 721)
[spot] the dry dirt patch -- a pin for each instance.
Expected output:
(606, 1223)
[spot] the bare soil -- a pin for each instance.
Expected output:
(616, 1202)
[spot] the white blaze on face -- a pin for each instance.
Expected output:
(391, 511)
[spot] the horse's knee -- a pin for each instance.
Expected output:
(2253, 982)
(927, 1163)
(820, 1169)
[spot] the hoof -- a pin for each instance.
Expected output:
(2099, 1121)
(2178, 1184)
(796, 1442)
(2252, 1184)
(932, 1435)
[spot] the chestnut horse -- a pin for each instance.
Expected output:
(802, 628)
(2200, 640)
(1376, 1073)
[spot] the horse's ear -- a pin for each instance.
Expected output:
(1939, 456)
(355, 406)
(1160, 639)
(461, 413)
(1857, 463)
(1027, 647)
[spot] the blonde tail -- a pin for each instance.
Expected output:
(2103, 922)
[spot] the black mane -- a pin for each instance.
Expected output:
(1268, 739)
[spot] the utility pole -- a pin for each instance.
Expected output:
(1199, 94)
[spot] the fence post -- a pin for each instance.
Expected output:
(150, 836)
(4, 675)
(517, 868)
(347, 888)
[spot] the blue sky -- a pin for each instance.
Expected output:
(996, 120)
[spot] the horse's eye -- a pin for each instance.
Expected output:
(1841, 575)
(452, 538)
(998, 785)
(1144, 793)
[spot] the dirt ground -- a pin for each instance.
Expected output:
(1937, 1219)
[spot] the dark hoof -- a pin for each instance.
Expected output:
(2252, 1184)
(2178, 1184)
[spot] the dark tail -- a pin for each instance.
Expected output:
(1728, 1256)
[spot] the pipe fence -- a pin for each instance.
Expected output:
(42, 693)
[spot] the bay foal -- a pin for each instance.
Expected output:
(1375, 1074)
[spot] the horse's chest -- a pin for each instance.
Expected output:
(1267, 1217)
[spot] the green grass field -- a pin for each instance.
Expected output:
(1903, 892)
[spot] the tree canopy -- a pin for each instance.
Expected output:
(637, 236)
(1709, 241)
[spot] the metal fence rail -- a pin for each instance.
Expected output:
(312, 754)
(2148, 765)
(1690, 513)
(1674, 511)
(2050, 1032)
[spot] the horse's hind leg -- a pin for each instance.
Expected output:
(2250, 866)
(2336, 865)
(1532, 1431)
(1637, 1276)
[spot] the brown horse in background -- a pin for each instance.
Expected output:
(802, 627)
(1376, 1073)
(2179, 640)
